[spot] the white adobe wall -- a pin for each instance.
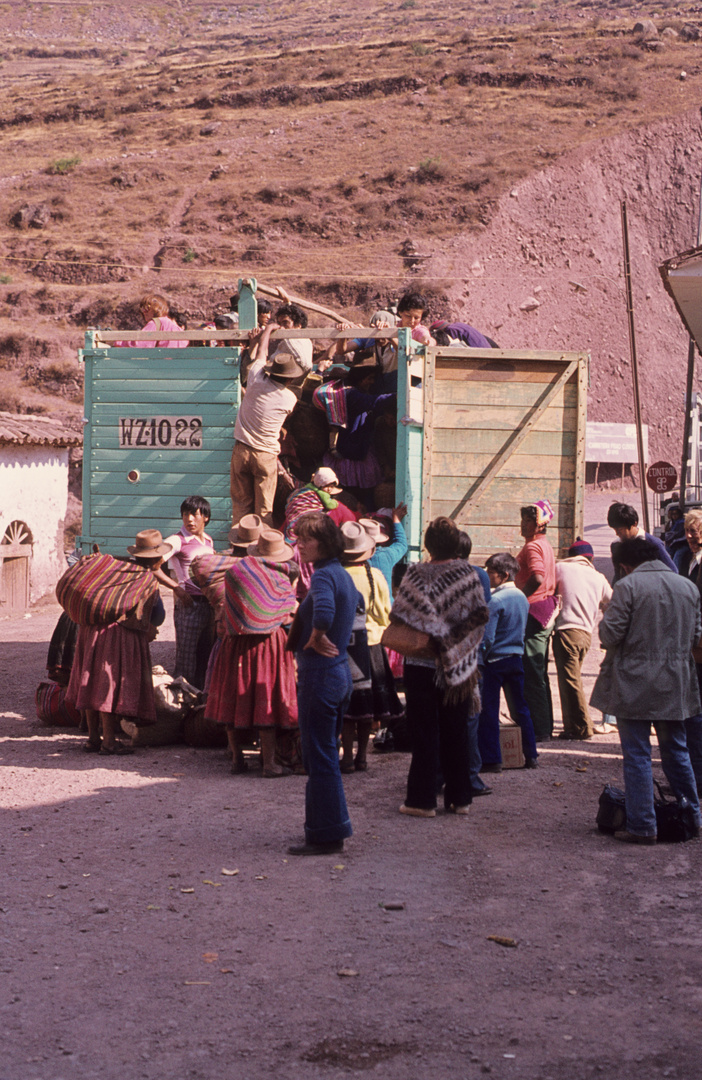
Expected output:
(34, 489)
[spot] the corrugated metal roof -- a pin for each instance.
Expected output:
(682, 277)
(35, 431)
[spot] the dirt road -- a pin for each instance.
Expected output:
(128, 951)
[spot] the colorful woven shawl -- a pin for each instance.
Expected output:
(331, 398)
(258, 596)
(306, 500)
(446, 600)
(99, 590)
(208, 573)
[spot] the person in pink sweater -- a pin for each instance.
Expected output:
(537, 580)
(154, 311)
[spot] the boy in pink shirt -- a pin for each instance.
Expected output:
(537, 580)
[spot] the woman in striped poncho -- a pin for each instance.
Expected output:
(253, 678)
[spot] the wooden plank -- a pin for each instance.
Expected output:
(107, 337)
(163, 461)
(473, 441)
(500, 372)
(462, 355)
(219, 415)
(579, 509)
(105, 484)
(505, 513)
(428, 447)
(134, 393)
(487, 393)
(536, 468)
(477, 491)
(500, 418)
(219, 364)
(510, 490)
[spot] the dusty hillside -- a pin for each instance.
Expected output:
(180, 148)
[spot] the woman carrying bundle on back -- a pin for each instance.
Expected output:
(253, 678)
(111, 674)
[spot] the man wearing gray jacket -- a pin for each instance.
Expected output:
(648, 677)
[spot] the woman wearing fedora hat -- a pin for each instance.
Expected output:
(253, 678)
(375, 701)
(111, 674)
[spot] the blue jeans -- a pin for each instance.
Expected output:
(323, 695)
(635, 737)
(508, 672)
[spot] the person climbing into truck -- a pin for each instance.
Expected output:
(459, 333)
(268, 402)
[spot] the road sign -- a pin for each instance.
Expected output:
(661, 477)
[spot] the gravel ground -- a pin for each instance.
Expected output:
(128, 951)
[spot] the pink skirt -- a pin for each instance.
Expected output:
(112, 672)
(253, 682)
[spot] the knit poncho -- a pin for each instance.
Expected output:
(446, 600)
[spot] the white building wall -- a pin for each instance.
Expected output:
(34, 489)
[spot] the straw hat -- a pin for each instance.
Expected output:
(285, 366)
(246, 532)
(149, 545)
(377, 531)
(327, 478)
(358, 544)
(271, 545)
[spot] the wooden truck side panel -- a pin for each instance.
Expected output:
(159, 426)
(500, 429)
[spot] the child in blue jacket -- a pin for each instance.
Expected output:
(503, 647)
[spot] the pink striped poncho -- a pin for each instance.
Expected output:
(258, 596)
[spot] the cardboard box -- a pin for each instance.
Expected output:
(511, 746)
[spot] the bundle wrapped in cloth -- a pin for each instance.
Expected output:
(259, 596)
(100, 589)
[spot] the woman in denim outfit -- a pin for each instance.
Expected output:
(324, 686)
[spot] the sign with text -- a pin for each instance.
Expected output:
(613, 442)
(161, 432)
(661, 476)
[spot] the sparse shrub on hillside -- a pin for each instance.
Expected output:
(62, 166)
(419, 48)
(5, 279)
(189, 255)
(430, 171)
(407, 5)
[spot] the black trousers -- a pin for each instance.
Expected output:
(439, 735)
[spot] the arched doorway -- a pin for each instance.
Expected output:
(15, 558)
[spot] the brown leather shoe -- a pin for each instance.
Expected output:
(634, 838)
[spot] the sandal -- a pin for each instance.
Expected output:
(91, 747)
(360, 765)
(268, 774)
(118, 749)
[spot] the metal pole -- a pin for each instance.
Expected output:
(634, 368)
(687, 432)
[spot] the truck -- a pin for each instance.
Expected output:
(479, 434)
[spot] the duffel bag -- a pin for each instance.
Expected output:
(100, 589)
(611, 813)
(52, 706)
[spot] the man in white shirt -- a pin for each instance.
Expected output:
(266, 405)
(584, 591)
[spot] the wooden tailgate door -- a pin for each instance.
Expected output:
(503, 428)
(159, 427)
